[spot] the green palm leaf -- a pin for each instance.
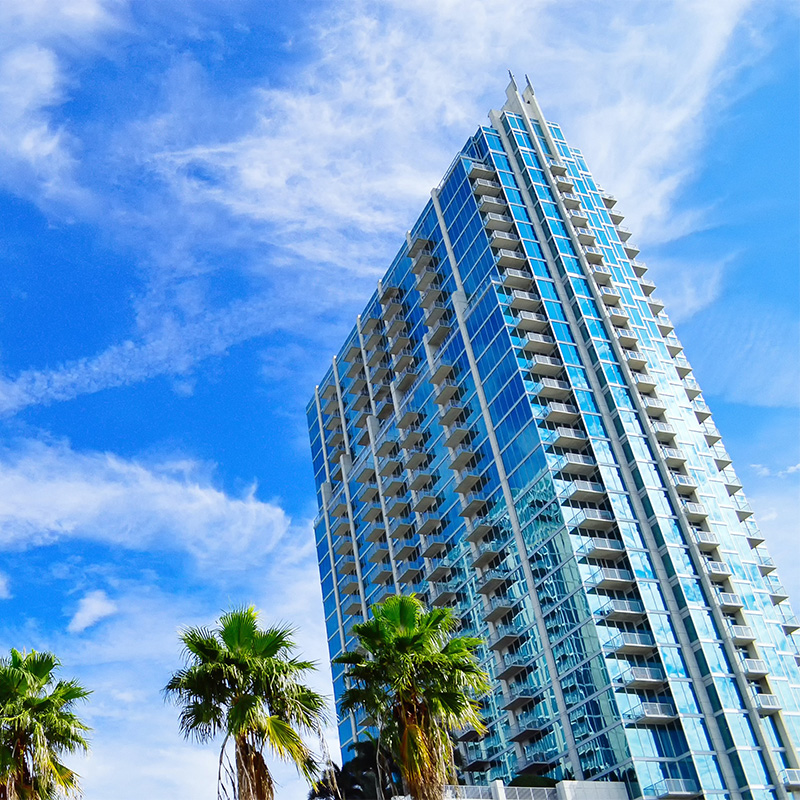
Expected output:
(242, 682)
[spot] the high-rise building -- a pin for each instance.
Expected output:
(512, 429)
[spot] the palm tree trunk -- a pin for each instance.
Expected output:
(244, 783)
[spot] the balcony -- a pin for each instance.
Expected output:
(406, 548)
(651, 714)
(480, 170)
(530, 321)
(767, 704)
(489, 203)
(568, 437)
(631, 250)
(461, 456)
(528, 301)
(564, 183)
(348, 584)
(571, 200)
(544, 365)
(626, 337)
(426, 277)
(765, 563)
(673, 456)
(631, 643)
(499, 606)
(446, 391)
(685, 484)
(435, 544)
(486, 552)
(594, 255)
(682, 366)
(473, 503)
(480, 531)
(695, 512)
(706, 541)
(491, 580)
(504, 240)
(383, 573)
(578, 218)
(580, 490)
(444, 593)
(346, 565)
(428, 522)
(498, 222)
(561, 412)
(458, 434)
(623, 233)
(598, 547)
(618, 610)
(618, 315)
(538, 343)
(351, 607)
(743, 510)
(440, 333)
(593, 518)
(585, 235)
(451, 412)
(512, 277)
(610, 578)
(741, 634)
(635, 359)
(503, 636)
(513, 664)
(511, 259)
(601, 274)
(409, 571)
(674, 347)
(521, 694)
(639, 268)
(755, 668)
(729, 601)
(654, 406)
(484, 186)
(657, 306)
(791, 780)
(609, 296)
(663, 430)
(642, 678)
(718, 571)
(574, 463)
(644, 381)
(675, 789)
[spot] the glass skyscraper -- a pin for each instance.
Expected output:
(512, 429)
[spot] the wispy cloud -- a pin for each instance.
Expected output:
(5, 587)
(49, 492)
(325, 171)
(760, 365)
(92, 607)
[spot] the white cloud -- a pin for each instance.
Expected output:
(321, 175)
(93, 607)
(750, 353)
(37, 155)
(5, 587)
(50, 492)
(687, 287)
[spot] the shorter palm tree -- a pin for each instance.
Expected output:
(38, 727)
(243, 683)
(418, 682)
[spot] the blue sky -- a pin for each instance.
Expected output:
(197, 197)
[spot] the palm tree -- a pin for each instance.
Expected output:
(243, 683)
(38, 726)
(418, 682)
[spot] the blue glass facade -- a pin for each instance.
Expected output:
(512, 429)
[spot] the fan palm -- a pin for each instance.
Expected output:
(38, 726)
(243, 683)
(418, 682)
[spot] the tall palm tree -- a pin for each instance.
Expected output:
(38, 727)
(243, 683)
(418, 682)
